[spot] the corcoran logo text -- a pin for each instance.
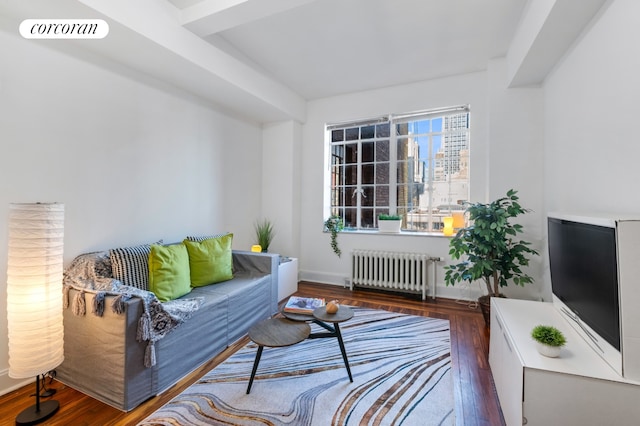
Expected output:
(64, 28)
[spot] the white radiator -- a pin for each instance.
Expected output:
(395, 271)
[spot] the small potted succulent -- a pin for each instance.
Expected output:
(548, 339)
(389, 223)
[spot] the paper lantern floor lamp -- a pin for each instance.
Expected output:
(34, 298)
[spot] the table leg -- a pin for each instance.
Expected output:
(344, 352)
(255, 368)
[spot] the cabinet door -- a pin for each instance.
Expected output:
(507, 371)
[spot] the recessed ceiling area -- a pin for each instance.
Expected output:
(323, 48)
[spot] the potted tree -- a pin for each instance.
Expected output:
(389, 223)
(549, 340)
(490, 249)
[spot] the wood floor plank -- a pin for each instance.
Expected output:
(476, 400)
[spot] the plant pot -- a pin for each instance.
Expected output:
(485, 308)
(389, 226)
(549, 351)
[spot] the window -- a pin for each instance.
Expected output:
(414, 165)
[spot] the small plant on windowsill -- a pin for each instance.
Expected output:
(389, 223)
(334, 225)
(549, 340)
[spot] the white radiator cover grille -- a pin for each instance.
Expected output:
(396, 271)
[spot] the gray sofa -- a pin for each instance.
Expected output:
(104, 355)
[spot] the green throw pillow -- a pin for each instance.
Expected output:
(210, 261)
(169, 276)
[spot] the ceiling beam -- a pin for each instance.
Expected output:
(547, 30)
(213, 16)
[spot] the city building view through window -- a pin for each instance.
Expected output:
(415, 166)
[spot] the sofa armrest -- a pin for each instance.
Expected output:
(259, 264)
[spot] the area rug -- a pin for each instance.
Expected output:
(401, 368)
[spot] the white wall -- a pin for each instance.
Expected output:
(492, 170)
(132, 160)
(281, 147)
(591, 119)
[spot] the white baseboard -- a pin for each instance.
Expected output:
(458, 292)
(7, 384)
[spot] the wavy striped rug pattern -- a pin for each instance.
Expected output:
(401, 369)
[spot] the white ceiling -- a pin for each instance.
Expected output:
(326, 47)
(263, 59)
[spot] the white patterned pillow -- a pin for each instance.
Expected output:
(206, 237)
(130, 265)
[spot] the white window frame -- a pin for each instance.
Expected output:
(434, 220)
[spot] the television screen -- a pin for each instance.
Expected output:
(584, 274)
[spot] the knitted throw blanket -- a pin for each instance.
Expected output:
(91, 275)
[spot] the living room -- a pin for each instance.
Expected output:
(138, 154)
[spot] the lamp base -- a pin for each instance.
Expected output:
(30, 416)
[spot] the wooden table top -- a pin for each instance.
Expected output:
(277, 332)
(344, 313)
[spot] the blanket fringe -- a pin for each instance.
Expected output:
(143, 327)
(98, 303)
(79, 305)
(117, 307)
(150, 355)
(65, 296)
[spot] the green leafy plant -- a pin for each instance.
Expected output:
(264, 233)
(389, 217)
(548, 335)
(334, 225)
(490, 247)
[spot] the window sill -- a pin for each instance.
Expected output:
(401, 233)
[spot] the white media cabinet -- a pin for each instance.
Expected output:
(578, 388)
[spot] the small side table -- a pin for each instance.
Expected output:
(275, 332)
(322, 318)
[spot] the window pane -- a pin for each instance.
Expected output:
(337, 154)
(383, 130)
(350, 218)
(367, 218)
(351, 153)
(382, 173)
(368, 174)
(337, 135)
(436, 124)
(420, 127)
(402, 148)
(382, 150)
(352, 134)
(351, 196)
(336, 175)
(367, 132)
(382, 196)
(368, 196)
(351, 175)
(402, 129)
(367, 152)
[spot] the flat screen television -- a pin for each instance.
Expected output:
(583, 261)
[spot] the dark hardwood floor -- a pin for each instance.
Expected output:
(476, 400)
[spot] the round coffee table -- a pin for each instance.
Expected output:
(275, 332)
(322, 318)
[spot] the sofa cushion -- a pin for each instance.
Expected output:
(169, 276)
(210, 261)
(130, 265)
